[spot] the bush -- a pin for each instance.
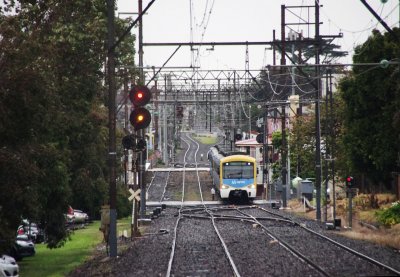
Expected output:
(389, 216)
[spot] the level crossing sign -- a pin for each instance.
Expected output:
(134, 194)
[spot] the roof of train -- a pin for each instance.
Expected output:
(230, 156)
(238, 158)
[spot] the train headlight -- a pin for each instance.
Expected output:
(225, 186)
(253, 186)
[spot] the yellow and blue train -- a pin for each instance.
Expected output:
(234, 174)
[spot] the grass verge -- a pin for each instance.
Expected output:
(61, 261)
(206, 140)
(389, 237)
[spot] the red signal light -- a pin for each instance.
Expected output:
(139, 95)
(349, 181)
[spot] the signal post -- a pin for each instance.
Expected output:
(350, 191)
(140, 119)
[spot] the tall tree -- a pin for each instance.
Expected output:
(53, 122)
(372, 96)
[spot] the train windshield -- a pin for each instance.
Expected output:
(238, 170)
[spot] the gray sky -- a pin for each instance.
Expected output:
(251, 20)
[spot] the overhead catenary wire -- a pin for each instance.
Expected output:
(298, 87)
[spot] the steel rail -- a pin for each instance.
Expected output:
(352, 251)
(172, 256)
(227, 253)
(287, 246)
(151, 183)
(165, 187)
(197, 172)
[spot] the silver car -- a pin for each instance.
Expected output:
(8, 266)
(80, 217)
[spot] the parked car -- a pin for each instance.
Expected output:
(81, 217)
(32, 230)
(23, 247)
(69, 219)
(8, 266)
(76, 218)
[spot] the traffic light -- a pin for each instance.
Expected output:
(349, 182)
(140, 117)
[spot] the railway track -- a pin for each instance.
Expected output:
(156, 191)
(190, 254)
(228, 240)
(359, 262)
(226, 231)
(292, 236)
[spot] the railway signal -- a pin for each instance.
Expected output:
(133, 142)
(238, 135)
(260, 138)
(349, 181)
(350, 193)
(140, 117)
(129, 142)
(179, 111)
(141, 144)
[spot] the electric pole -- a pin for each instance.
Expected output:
(317, 116)
(112, 153)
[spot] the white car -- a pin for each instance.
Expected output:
(8, 266)
(80, 217)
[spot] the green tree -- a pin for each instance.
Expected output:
(302, 147)
(53, 122)
(371, 95)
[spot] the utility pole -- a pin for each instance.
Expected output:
(284, 158)
(112, 153)
(317, 85)
(156, 114)
(265, 154)
(273, 48)
(249, 121)
(332, 144)
(165, 122)
(283, 36)
(317, 116)
(126, 93)
(142, 160)
(327, 150)
(210, 113)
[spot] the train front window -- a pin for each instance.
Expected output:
(238, 170)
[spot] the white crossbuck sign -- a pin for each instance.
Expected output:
(134, 194)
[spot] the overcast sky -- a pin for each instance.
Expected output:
(248, 20)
